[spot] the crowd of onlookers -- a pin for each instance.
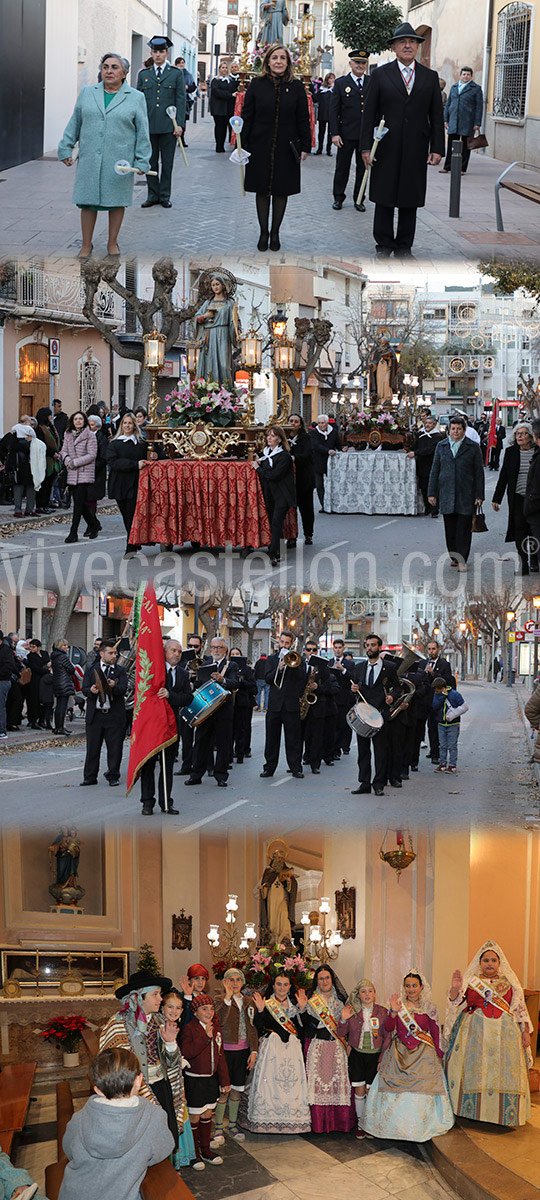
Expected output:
(41, 686)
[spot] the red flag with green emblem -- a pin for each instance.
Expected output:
(154, 723)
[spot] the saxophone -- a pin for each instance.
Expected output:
(308, 698)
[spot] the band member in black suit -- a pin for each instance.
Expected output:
(304, 474)
(344, 699)
(325, 442)
(314, 728)
(276, 473)
(194, 643)
(244, 702)
(346, 112)
(287, 684)
(177, 690)
(217, 730)
(423, 451)
(408, 96)
(374, 680)
(104, 685)
(432, 666)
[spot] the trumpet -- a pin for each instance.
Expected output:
(291, 658)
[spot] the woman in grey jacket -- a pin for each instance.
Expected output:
(79, 452)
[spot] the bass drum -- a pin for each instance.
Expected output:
(365, 719)
(206, 701)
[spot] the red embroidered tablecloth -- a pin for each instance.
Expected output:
(213, 503)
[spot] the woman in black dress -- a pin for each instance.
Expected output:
(125, 453)
(278, 136)
(276, 473)
(301, 450)
(513, 480)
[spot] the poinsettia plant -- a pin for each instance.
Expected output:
(204, 400)
(65, 1031)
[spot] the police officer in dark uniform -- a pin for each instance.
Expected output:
(346, 111)
(163, 86)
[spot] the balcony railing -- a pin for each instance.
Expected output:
(58, 294)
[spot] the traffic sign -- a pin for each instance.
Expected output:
(54, 356)
(520, 635)
(511, 637)
(529, 626)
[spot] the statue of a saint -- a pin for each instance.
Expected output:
(383, 373)
(217, 321)
(65, 853)
(274, 16)
(277, 891)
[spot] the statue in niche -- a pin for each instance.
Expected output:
(64, 857)
(277, 893)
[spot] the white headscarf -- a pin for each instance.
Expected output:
(23, 431)
(518, 1008)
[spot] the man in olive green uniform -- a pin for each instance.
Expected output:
(163, 86)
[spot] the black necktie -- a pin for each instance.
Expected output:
(170, 680)
(158, 72)
(371, 676)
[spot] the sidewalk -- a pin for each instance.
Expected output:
(41, 739)
(10, 525)
(210, 218)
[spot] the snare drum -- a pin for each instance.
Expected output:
(365, 719)
(206, 701)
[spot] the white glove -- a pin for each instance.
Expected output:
(240, 156)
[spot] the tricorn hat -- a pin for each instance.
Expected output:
(143, 979)
(159, 42)
(406, 30)
(358, 55)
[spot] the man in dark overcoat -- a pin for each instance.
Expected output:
(462, 116)
(163, 87)
(456, 484)
(408, 96)
(346, 111)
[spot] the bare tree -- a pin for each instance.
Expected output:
(161, 302)
(65, 604)
(242, 613)
(312, 336)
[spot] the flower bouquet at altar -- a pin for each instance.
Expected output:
(204, 400)
(270, 961)
(66, 1032)
(374, 428)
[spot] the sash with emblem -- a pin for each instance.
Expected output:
(320, 1009)
(276, 1011)
(489, 994)
(413, 1028)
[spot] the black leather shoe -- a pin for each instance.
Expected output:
(88, 783)
(382, 252)
(297, 774)
(150, 204)
(315, 771)
(363, 790)
(191, 781)
(171, 810)
(414, 768)
(308, 541)
(72, 537)
(395, 783)
(147, 810)
(114, 783)
(337, 204)
(379, 791)
(166, 203)
(262, 243)
(360, 207)
(222, 783)
(266, 774)
(183, 771)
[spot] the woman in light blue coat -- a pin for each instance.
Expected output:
(110, 123)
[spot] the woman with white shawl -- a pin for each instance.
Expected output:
(487, 1030)
(409, 1099)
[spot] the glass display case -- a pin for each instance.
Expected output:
(68, 972)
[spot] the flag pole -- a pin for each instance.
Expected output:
(165, 794)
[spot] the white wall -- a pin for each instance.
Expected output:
(60, 69)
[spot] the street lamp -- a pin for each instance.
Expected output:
(463, 630)
(305, 599)
(213, 18)
(510, 617)
(283, 357)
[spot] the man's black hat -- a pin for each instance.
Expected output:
(358, 55)
(143, 979)
(159, 42)
(406, 30)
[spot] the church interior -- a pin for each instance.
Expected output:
(374, 904)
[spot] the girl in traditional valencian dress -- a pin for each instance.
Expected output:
(278, 1094)
(361, 1024)
(488, 1032)
(409, 1099)
(329, 1088)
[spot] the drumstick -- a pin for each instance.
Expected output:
(122, 167)
(379, 134)
(171, 112)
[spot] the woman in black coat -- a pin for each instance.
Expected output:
(125, 453)
(17, 443)
(302, 452)
(278, 136)
(513, 480)
(38, 661)
(276, 473)
(63, 686)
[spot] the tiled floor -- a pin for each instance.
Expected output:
(516, 1149)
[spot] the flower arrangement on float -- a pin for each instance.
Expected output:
(204, 400)
(269, 961)
(255, 57)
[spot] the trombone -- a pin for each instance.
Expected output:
(290, 658)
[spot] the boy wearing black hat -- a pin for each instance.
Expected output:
(346, 111)
(408, 96)
(163, 86)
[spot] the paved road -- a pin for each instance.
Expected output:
(350, 552)
(493, 787)
(209, 216)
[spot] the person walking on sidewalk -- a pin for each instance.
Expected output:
(456, 485)
(63, 686)
(79, 452)
(462, 116)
